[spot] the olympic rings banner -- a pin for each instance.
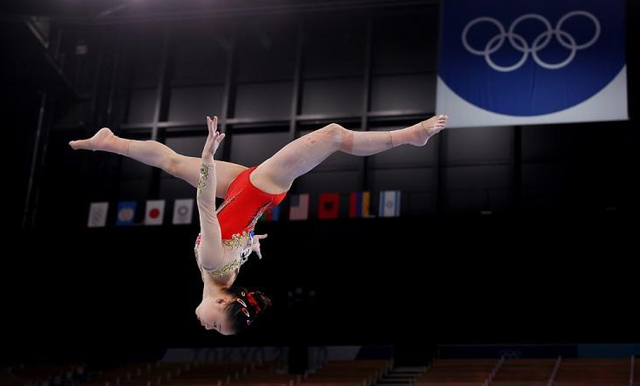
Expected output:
(545, 61)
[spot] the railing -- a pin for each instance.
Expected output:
(555, 371)
(495, 370)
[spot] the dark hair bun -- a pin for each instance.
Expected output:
(263, 300)
(238, 318)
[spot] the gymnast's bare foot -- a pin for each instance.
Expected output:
(426, 129)
(104, 140)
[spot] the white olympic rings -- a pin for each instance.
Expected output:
(539, 43)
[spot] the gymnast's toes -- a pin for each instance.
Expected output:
(100, 141)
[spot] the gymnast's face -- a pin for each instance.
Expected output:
(212, 315)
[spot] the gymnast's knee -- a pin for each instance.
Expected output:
(341, 137)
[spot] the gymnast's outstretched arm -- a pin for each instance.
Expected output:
(211, 250)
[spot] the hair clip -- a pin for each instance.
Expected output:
(246, 312)
(253, 302)
(241, 302)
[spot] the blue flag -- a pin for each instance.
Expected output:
(126, 213)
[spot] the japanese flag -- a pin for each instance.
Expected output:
(154, 212)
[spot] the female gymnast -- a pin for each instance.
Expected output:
(226, 237)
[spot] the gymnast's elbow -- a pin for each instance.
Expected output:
(208, 264)
(210, 255)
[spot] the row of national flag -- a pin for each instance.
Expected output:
(127, 213)
(328, 207)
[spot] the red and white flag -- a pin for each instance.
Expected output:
(299, 209)
(154, 212)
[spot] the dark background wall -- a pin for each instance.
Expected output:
(553, 263)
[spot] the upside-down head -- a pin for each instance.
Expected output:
(233, 311)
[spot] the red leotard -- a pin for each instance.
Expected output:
(243, 205)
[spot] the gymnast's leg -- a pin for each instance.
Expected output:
(305, 153)
(154, 153)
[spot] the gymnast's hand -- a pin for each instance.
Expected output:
(213, 140)
(255, 247)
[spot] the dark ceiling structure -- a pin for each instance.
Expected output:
(118, 11)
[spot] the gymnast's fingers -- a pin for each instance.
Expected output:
(208, 149)
(211, 125)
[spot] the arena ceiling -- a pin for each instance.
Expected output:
(109, 11)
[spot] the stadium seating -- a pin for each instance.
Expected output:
(526, 372)
(577, 372)
(347, 373)
(442, 372)
(38, 374)
(471, 372)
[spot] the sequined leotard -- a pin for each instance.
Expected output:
(243, 205)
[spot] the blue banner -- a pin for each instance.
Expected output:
(508, 63)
